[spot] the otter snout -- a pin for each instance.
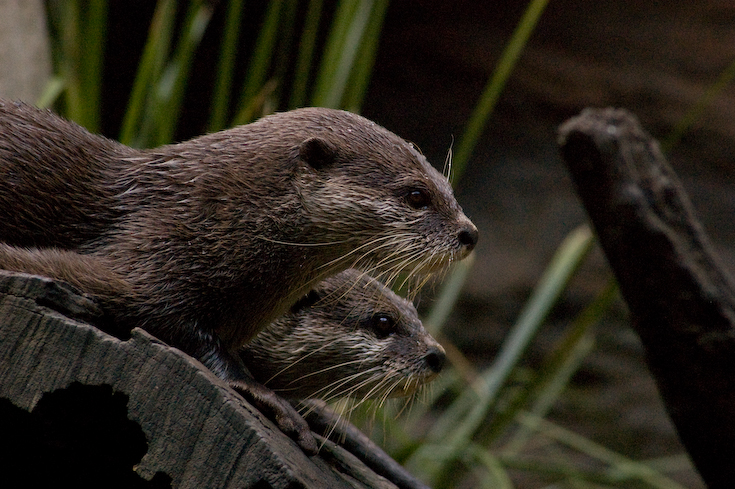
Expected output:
(468, 237)
(435, 358)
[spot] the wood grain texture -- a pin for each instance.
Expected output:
(199, 432)
(681, 300)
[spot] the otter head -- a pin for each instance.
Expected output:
(367, 187)
(349, 336)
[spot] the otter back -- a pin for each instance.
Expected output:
(53, 179)
(220, 235)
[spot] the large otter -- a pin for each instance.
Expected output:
(349, 336)
(219, 235)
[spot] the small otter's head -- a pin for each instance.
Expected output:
(350, 336)
(362, 185)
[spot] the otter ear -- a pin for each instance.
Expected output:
(317, 152)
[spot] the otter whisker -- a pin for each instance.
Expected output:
(413, 272)
(330, 243)
(400, 260)
(337, 367)
(302, 358)
(400, 256)
(358, 386)
(359, 249)
(409, 402)
(391, 274)
(447, 170)
(331, 389)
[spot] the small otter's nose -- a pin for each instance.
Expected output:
(468, 237)
(435, 358)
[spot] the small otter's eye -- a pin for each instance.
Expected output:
(383, 325)
(418, 198)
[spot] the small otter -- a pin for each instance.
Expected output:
(247, 219)
(349, 336)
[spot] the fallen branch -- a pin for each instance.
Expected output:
(682, 302)
(81, 406)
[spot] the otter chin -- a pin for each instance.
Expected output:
(247, 219)
(349, 337)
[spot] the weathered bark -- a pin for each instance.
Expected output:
(681, 301)
(194, 430)
(323, 419)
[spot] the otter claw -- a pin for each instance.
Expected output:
(278, 410)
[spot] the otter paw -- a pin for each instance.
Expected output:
(278, 410)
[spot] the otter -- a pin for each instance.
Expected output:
(218, 236)
(349, 336)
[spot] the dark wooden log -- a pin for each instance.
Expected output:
(86, 407)
(323, 419)
(681, 300)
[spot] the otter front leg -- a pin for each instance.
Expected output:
(215, 356)
(279, 411)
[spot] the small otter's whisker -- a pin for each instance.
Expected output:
(336, 367)
(331, 391)
(304, 357)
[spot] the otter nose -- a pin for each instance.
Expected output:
(435, 358)
(468, 237)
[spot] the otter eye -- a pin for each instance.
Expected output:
(418, 198)
(383, 325)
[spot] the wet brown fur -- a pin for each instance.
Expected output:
(351, 336)
(217, 236)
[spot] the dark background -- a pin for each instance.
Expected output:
(654, 58)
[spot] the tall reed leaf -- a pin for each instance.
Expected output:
(226, 67)
(454, 429)
(150, 68)
(343, 45)
(495, 85)
(258, 66)
(79, 44)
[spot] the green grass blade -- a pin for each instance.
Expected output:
(494, 87)
(226, 67)
(283, 55)
(67, 16)
(452, 431)
(94, 21)
(166, 106)
(341, 52)
(448, 295)
(53, 89)
(497, 477)
(149, 69)
(332, 50)
(305, 58)
(554, 384)
(557, 369)
(363, 65)
(259, 63)
(695, 113)
(625, 468)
